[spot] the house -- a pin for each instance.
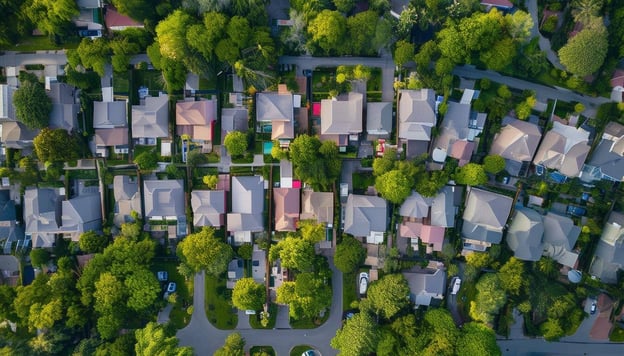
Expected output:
(235, 272)
(516, 143)
(485, 216)
(286, 208)
(81, 214)
(127, 199)
(9, 270)
(525, 233)
(196, 119)
(609, 256)
(7, 111)
(247, 207)
(64, 113)
(16, 135)
(445, 206)
(286, 174)
(341, 118)
(456, 134)
(276, 111)
(208, 207)
(110, 122)
(426, 285)
(560, 235)
(118, 22)
(10, 231)
(607, 161)
(318, 206)
(378, 120)
(163, 199)
(617, 85)
(150, 120)
(89, 16)
(234, 119)
(366, 216)
(564, 149)
(417, 116)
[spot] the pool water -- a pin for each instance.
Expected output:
(266, 147)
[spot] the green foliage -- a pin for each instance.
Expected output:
(211, 181)
(39, 257)
(349, 254)
(493, 164)
(55, 145)
(52, 17)
(358, 336)
(306, 297)
(277, 152)
(388, 295)
(294, 253)
(384, 164)
(490, 298)
(234, 346)
(478, 260)
(403, 53)
(500, 55)
(94, 54)
(361, 29)
(394, 186)
(328, 30)
(248, 295)
(585, 52)
(477, 339)
(315, 163)
(147, 160)
(471, 174)
(245, 251)
(91, 242)
(32, 105)
(512, 276)
(311, 230)
(236, 143)
(203, 251)
(154, 340)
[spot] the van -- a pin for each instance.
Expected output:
(456, 282)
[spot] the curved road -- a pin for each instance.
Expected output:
(206, 339)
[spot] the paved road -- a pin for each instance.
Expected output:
(205, 338)
(11, 58)
(384, 62)
(543, 92)
(583, 331)
(533, 347)
(544, 43)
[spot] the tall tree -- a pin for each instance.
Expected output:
(349, 254)
(248, 294)
(153, 340)
(202, 250)
(403, 53)
(234, 346)
(585, 52)
(294, 252)
(471, 174)
(143, 290)
(32, 105)
(55, 145)
(361, 28)
(315, 163)
(388, 295)
(236, 143)
(394, 186)
(91, 242)
(358, 336)
(477, 339)
(328, 30)
(493, 164)
(490, 298)
(52, 17)
(512, 276)
(94, 54)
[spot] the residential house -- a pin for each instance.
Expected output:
(16, 135)
(196, 119)
(89, 16)
(234, 119)
(564, 149)
(607, 160)
(560, 235)
(459, 128)
(10, 231)
(81, 214)
(609, 256)
(318, 206)
(7, 110)
(341, 118)
(516, 143)
(235, 272)
(9, 270)
(163, 199)
(247, 207)
(286, 175)
(485, 216)
(64, 113)
(445, 206)
(150, 120)
(208, 207)
(426, 285)
(118, 22)
(366, 216)
(110, 122)
(378, 120)
(417, 115)
(286, 202)
(617, 85)
(127, 199)
(276, 111)
(525, 233)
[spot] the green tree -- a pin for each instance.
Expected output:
(147, 160)
(153, 339)
(245, 251)
(478, 260)
(585, 11)
(94, 54)
(344, 6)
(52, 17)
(477, 339)
(388, 295)
(358, 336)
(306, 297)
(493, 164)
(504, 92)
(143, 289)
(202, 250)
(471, 174)
(328, 31)
(519, 24)
(490, 298)
(294, 253)
(32, 105)
(361, 31)
(394, 186)
(234, 346)
(236, 143)
(349, 254)
(39, 257)
(512, 276)
(91, 242)
(211, 181)
(442, 334)
(384, 164)
(547, 266)
(55, 145)
(585, 52)
(500, 55)
(314, 162)
(403, 53)
(248, 295)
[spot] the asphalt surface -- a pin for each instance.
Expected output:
(544, 43)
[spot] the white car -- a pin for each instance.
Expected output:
(363, 282)
(456, 285)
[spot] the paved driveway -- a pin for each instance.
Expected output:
(582, 333)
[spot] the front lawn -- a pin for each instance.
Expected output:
(40, 43)
(298, 350)
(219, 309)
(348, 290)
(617, 334)
(261, 350)
(179, 316)
(254, 320)
(361, 182)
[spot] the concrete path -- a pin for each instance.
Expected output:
(544, 43)
(163, 315)
(516, 330)
(11, 58)
(282, 320)
(243, 321)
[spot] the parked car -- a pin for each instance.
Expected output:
(593, 308)
(456, 285)
(163, 276)
(308, 353)
(92, 34)
(363, 282)
(171, 287)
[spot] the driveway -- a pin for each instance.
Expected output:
(544, 43)
(583, 331)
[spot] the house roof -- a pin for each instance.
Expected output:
(152, 118)
(410, 229)
(200, 112)
(7, 206)
(517, 141)
(342, 117)
(247, 195)
(462, 151)
(244, 222)
(82, 213)
(415, 206)
(64, 108)
(564, 148)
(9, 264)
(234, 119)
(485, 215)
(609, 154)
(416, 114)
(89, 4)
(618, 78)
(379, 118)
(525, 233)
(114, 20)
(445, 205)
(317, 206)
(560, 235)
(111, 137)
(609, 255)
(41, 208)
(16, 135)
(365, 214)
(6, 101)
(127, 198)
(454, 125)
(163, 198)
(282, 129)
(425, 285)
(208, 207)
(274, 107)
(433, 235)
(109, 114)
(286, 208)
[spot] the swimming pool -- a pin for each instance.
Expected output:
(266, 147)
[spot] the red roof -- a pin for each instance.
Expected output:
(462, 150)
(114, 19)
(618, 78)
(432, 235)
(316, 109)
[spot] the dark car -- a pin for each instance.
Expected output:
(90, 33)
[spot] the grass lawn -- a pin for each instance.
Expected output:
(298, 350)
(362, 182)
(308, 323)
(219, 309)
(617, 334)
(261, 350)
(247, 158)
(121, 83)
(39, 43)
(467, 293)
(254, 320)
(179, 316)
(348, 290)
(82, 174)
(207, 83)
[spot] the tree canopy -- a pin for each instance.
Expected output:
(203, 251)
(154, 340)
(490, 298)
(234, 346)
(248, 295)
(236, 143)
(294, 252)
(388, 295)
(306, 297)
(471, 174)
(91, 242)
(586, 51)
(493, 163)
(349, 254)
(314, 162)
(358, 336)
(394, 186)
(32, 105)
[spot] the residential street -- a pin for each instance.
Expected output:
(541, 347)
(205, 338)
